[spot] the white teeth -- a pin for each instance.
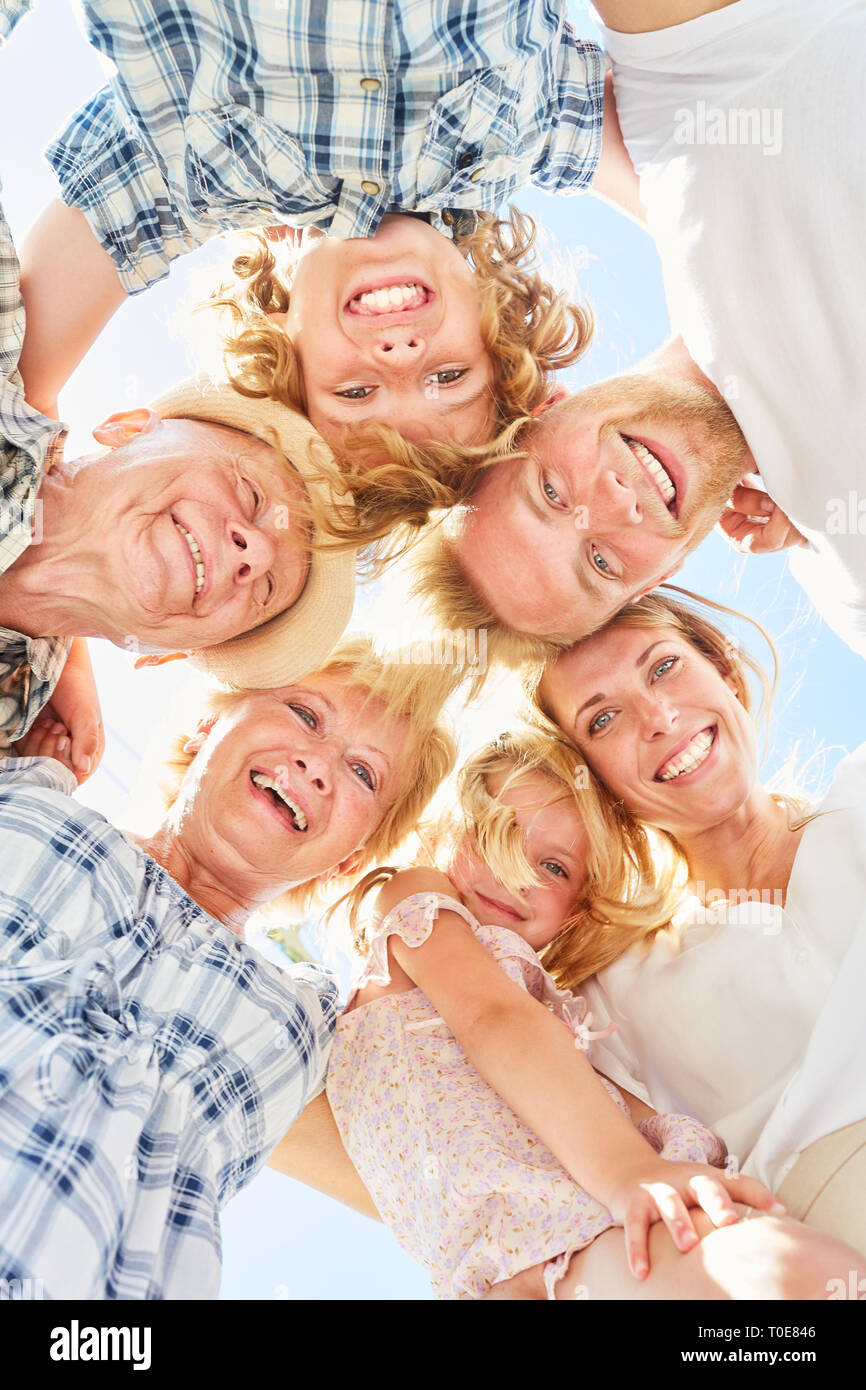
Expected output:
(691, 757)
(196, 556)
(393, 297)
(656, 470)
(261, 779)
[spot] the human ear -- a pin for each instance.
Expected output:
(194, 745)
(125, 425)
(559, 393)
(154, 660)
(350, 865)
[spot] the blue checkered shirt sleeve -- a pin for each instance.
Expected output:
(29, 667)
(321, 112)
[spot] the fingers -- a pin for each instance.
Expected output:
(46, 739)
(88, 745)
(754, 523)
(715, 1198)
(752, 1193)
(659, 1202)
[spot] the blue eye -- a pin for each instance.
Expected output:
(307, 715)
(665, 666)
(550, 491)
(600, 562)
(554, 868)
(365, 775)
(601, 721)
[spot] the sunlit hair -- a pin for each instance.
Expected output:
(629, 892)
(529, 329)
(661, 610)
(452, 601)
(406, 691)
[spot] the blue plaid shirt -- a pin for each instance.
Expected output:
(30, 667)
(149, 1059)
(325, 113)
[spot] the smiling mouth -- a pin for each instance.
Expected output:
(288, 809)
(397, 297)
(196, 554)
(690, 758)
(656, 472)
(500, 907)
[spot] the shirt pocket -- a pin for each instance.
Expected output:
(477, 135)
(242, 169)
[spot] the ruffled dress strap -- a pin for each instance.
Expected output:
(412, 920)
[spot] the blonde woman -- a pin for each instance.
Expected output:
(747, 1014)
(486, 1141)
(151, 1059)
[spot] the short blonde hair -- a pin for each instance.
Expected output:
(407, 691)
(529, 329)
(630, 889)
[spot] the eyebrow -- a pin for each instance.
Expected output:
(596, 699)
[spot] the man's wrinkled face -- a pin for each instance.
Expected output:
(388, 329)
(620, 482)
(197, 533)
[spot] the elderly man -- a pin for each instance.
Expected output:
(190, 534)
(753, 176)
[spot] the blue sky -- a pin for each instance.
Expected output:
(282, 1241)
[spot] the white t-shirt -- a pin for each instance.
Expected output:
(750, 1023)
(746, 127)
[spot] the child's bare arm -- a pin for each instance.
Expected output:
(70, 289)
(312, 1152)
(645, 16)
(528, 1056)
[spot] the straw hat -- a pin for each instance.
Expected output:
(302, 637)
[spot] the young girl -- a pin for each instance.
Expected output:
(479, 1131)
(407, 351)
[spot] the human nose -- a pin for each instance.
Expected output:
(252, 552)
(396, 350)
(619, 498)
(314, 763)
(658, 717)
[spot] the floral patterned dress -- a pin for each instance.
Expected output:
(467, 1189)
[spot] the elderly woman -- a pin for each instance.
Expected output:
(149, 1058)
(748, 1013)
(197, 531)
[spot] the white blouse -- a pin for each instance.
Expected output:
(755, 1024)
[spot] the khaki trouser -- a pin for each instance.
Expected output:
(826, 1188)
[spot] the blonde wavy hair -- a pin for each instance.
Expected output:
(660, 610)
(407, 691)
(529, 329)
(631, 887)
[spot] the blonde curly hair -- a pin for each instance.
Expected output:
(529, 329)
(408, 691)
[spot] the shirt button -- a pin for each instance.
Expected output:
(448, 218)
(370, 84)
(475, 175)
(467, 159)
(368, 186)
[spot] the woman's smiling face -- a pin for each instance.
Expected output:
(658, 723)
(287, 784)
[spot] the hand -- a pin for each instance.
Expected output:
(69, 728)
(664, 1190)
(755, 524)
